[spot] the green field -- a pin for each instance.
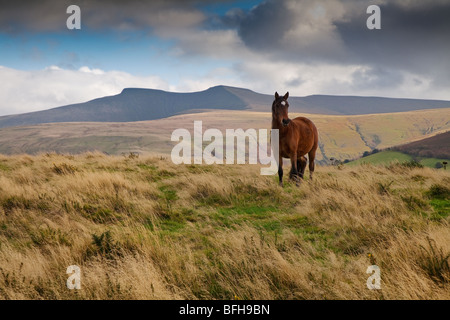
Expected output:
(387, 157)
(431, 162)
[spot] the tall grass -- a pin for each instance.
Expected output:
(143, 228)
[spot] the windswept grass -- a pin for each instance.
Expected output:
(143, 228)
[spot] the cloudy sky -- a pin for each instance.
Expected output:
(301, 46)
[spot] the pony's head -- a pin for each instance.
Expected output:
(280, 109)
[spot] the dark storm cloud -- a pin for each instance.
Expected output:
(296, 82)
(376, 78)
(415, 35)
(294, 30)
(50, 15)
(264, 25)
(413, 38)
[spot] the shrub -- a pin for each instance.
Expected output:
(439, 192)
(104, 245)
(411, 164)
(384, 188)
(399, 167)
(435, 262)
(12, 202)
(64, 168)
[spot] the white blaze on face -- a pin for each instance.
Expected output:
(283, 103)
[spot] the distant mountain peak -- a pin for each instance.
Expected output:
(140, 104)
(134, 90)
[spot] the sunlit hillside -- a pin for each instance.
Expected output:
(341, 137)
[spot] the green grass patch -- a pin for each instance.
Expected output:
(271, 225)
(172, 226)
(147, 167)
(98, 214)
(252, 210)
(50, 236)
(431, 162)
(240, 214)
(199, 168)
(441, 207)
(168, 226)
(155, 175)
(382, 157)
(168, 194)
(387, 157)
(440, 201)
(303, 227)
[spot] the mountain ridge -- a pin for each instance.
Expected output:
(141, 104)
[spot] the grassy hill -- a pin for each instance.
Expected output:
(428, 152)
(341, 137)
(383, 157)
(437, 146)
(134, 104)
(389, 156)
(143, 228)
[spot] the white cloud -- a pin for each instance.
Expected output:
(26, 91)
(92, 71)
(333, 79)
(217, 76)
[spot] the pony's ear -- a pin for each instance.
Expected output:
(276, 95)
(286, 96)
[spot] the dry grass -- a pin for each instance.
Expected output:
(143, 228)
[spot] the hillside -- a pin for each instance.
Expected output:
(130, 105)
(341, 137)
(389, 156)
(429, 152)
(148, 104)
(383, 157)
(437, 146)
(143, 228)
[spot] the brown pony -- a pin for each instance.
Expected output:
(298, 137)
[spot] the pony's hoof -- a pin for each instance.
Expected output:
(296, 179)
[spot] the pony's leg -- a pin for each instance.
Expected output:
(280, 170)
(304, 162)
(299, 168)
(311, 157)
(301, 165)
(294, 172)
